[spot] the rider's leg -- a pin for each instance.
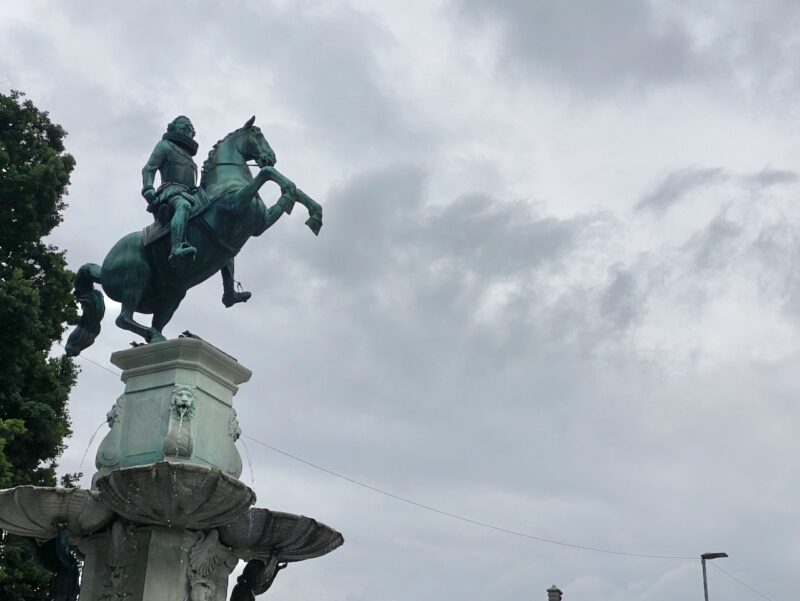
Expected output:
(180, 247)
(229, 295)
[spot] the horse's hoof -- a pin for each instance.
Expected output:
(156, 338)
(235, 297)
(314, 224)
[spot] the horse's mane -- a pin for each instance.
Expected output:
(207, 164)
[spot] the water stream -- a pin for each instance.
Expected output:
(249, 463)
(89, 444)
(182, 413)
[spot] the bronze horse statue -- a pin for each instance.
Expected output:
(136, 272)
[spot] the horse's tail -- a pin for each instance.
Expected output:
(93, 308)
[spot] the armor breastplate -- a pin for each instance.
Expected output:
(178, 168)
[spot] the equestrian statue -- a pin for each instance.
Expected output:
(197, 230)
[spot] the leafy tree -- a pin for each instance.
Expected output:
(35, 304)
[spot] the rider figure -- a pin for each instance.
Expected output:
(172, 158)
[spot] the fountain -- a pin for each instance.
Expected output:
(167, 517)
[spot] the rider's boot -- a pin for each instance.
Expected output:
(180, 247)
(180, 251)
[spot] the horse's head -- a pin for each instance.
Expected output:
(253, 146)
(233, 152)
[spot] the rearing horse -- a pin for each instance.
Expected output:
(138, 275)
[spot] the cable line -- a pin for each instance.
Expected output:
(463, 518)
(101, 366)
(744, 584)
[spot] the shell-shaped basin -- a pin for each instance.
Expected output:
(38, 511)
(175, 494)
(261, 533)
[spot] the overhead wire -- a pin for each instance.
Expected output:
(100, 365)
(459, 517)
(464, 518)
(735, 579)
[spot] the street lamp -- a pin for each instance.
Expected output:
(703, 558)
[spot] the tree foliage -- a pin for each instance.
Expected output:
(35, 305)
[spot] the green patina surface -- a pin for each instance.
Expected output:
(197, 232)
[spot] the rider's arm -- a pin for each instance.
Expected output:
(151, 167)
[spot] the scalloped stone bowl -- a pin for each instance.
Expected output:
(260, 533)
(37, 511)
(175, 494)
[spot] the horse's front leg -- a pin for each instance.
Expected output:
(266, 174)
(314, 221)
(279, 178)
(290, 191)
(252, 188)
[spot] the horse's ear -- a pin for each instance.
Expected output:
(250, 122)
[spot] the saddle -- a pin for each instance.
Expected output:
(163, 215)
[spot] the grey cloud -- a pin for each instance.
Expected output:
(89, 110)
(716, 244)
(678, 184)
(443, 260)
(384, 222)
(594, 45)
(620, 301)
(319, 66)
(770, 177)
(756, 41)
(500, 238)
(381, 232)
(633, 46)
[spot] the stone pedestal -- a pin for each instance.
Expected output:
(167, 518)
(177, 406)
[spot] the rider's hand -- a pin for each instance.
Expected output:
(149, 195)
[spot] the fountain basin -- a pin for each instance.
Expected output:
(261, 534)
(175, 494)
(38, 511)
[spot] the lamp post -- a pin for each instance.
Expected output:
(703, 558)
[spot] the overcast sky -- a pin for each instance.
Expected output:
(557, 288)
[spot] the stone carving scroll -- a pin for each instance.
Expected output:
(234, 430)
(209, 562)
(120, 559)
(234, 460)
(109, 452)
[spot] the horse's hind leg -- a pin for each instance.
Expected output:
(126, 321)
(165, 311)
